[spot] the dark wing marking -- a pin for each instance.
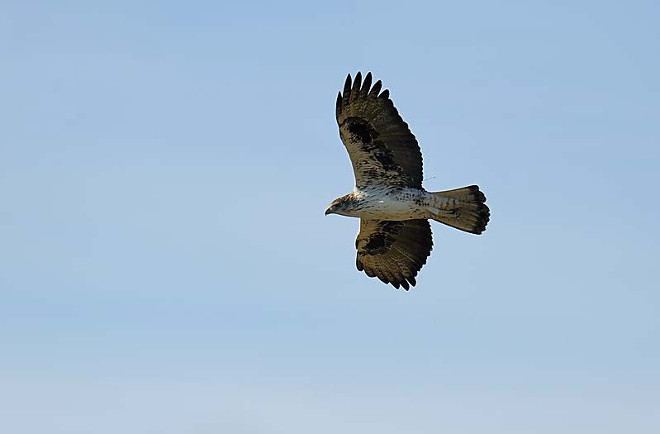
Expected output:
(381, 147)
(393, 251)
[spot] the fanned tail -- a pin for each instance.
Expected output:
(461, 208)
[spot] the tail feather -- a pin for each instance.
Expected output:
(461, 208)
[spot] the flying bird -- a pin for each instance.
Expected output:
(394, 209)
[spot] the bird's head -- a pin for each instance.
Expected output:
(345, 205)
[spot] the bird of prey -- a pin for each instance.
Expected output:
(395, 235)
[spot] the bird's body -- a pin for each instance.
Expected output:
(395, 236)
(387, 203)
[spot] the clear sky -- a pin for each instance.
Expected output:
(166, 267)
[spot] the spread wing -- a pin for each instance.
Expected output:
(393, 251)
(381, 147)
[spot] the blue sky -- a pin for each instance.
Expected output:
(166, 266)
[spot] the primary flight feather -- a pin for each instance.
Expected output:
(395, 236)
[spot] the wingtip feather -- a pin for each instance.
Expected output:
(366, 86)
(357, 83)
(375, 90)
(347, 85)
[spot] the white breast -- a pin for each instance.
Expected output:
(394, 204)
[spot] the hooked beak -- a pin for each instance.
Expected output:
(328, 211)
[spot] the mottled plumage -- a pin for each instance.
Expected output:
(395, 236)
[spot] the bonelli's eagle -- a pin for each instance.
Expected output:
(395, 235)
